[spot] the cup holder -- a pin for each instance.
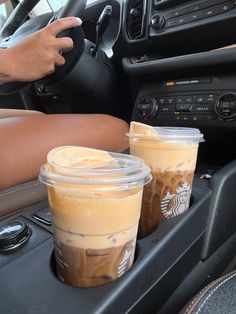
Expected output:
(53, 267)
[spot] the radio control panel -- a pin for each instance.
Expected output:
(187, 107)
(170, 14)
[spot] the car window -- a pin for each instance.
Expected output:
(56, 4)
(3, 12)
(2, 9)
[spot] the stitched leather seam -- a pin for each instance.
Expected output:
(18, 189)
(202, 292)
(213, 291)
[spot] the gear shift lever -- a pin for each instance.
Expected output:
(102, 24)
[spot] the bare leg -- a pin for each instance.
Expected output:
(25, 141)
(7, 113)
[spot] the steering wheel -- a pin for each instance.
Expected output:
(11, 34)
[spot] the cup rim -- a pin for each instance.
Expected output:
(170, 134)
(129, 171)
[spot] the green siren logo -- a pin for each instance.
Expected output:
(173, 205)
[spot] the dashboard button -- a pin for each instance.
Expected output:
(206, 117)
(183, 107)
(166, 117)
(184, 99)
(44, 216)
(174, 14)
(202, 108)
(161, 101)
(210, 12)
(167, 108)
(170, 100)
(182, 20)
(170, 23)
(196, 16)
(200, 99)
(166, 100)
(225, 7)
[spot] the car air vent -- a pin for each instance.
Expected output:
(135, 26)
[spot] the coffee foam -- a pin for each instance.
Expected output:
(94, 215)
(162, 155)
(62, 159)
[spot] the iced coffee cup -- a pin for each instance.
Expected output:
(95, 201)
(171, 153)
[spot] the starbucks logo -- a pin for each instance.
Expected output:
(173, 205)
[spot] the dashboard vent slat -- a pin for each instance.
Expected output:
(135, 25)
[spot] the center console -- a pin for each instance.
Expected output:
(164, 262)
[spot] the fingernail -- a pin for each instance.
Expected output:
(79, 21)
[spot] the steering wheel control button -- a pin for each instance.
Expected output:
(13, 234)
(147, 107)
(226, 106)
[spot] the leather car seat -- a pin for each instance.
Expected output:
(218, 297)
(16, 198)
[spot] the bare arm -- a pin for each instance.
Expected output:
(38, 54)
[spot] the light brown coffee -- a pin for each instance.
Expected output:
(167, 196)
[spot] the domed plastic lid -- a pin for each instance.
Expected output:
(140, 131)
(84, 166)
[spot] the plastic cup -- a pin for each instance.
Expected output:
(171, 153)
(95, 202)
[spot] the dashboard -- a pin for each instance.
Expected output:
(179, 75)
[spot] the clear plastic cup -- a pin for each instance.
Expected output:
(95, 203)
(171, 153)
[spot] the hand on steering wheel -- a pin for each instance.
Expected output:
(38, 54)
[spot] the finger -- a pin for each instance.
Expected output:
(60, 25)
(59, 60)
(64, 44)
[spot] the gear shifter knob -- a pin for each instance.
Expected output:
(102, 24)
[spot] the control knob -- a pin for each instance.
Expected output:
(147, 107)
(13, 234)
(157, 21)
(226, 106)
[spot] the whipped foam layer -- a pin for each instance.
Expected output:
(91, 216)
(162, 155)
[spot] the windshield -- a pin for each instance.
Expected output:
(56, 4)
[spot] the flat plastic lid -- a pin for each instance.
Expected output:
(169, 134)
(125, 171)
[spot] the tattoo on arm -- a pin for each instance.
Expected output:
(3, 75)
